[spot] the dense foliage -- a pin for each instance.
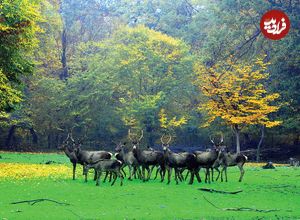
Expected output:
(112, 65)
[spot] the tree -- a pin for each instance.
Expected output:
(18, 27)
(131, 75)
(236, 93)
(9, 96)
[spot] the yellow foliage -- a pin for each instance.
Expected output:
(236, 93)
(172, 123)
(22, 171)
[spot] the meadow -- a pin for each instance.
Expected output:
(266, 194)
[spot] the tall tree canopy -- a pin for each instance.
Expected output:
(18, 28)
(236, 92)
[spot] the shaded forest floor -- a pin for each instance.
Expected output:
(266, 194)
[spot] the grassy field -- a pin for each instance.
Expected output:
(271, 194)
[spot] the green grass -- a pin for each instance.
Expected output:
(262, 189)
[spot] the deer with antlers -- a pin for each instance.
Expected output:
(206, 159)
(68, 148)
(83, 157)
(226, 159)
(147, 158)
(177, 161)
(127, 157)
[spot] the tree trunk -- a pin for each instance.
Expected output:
(260, 143)
(10, 135)
(64, 73)
(49, 141)
(237, 136)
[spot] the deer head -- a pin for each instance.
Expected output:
(165, 142)
(68, 142)
(218, 145)
(119, 146)
(135, 140)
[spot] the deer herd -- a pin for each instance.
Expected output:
(139, 160)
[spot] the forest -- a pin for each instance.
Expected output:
(194, 69)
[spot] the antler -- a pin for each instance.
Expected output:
(129, 134)
(142, 134)
(67, 137)
(162, 139)
(84, 137)
(211, 140)
(222, 138)
(170, 138)
(71, 136)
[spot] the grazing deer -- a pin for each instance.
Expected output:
(177, 160)
(226, 159)
(147, 158)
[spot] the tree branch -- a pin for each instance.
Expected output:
(34, 201)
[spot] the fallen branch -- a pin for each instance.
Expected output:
(34, 201)
(219, 191)
(241, 208)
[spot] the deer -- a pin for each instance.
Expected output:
(68, 148)
(85, 157)
(177, 160)
(147, 158)
(128, 159)
(226, 159)
(105, 165)
(206, 159)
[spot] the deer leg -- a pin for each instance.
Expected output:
(98, 178)
(222, 171)
(217, 169)
(106, 174)
(115, 177)
(74, 170)
(110, 176)
(162, 173)
(169, 175)
(212, 174)
(187, 174)
(139, 172)
(242, 172)
(176, 175)
(85, 175)
(151, 170)
(225, 173)
(143, 173)
(130, 172)
(121, 178)
(149, 173)
(123, 171)
(207, 177)
(181, 178)
(197, 175)
(192, 172)
(157, 170)
(95, 174)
